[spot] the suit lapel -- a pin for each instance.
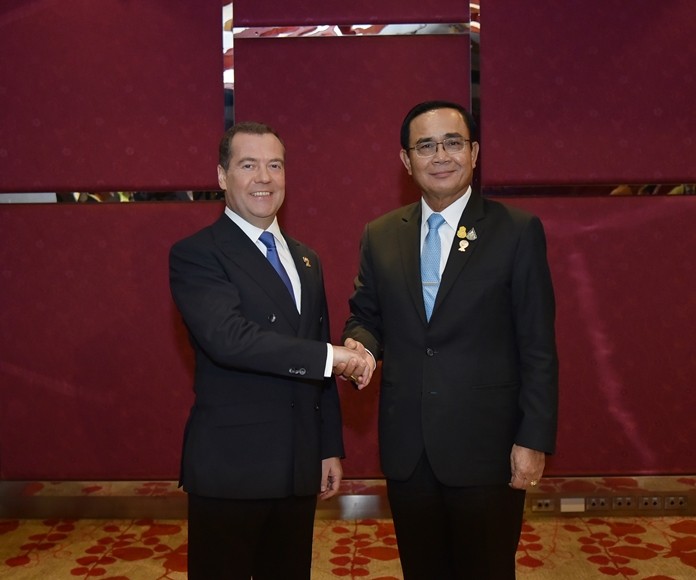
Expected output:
(308, 282)
(472, 219)
(239, 249)
(409, 250)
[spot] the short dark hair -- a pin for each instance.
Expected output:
(248, 127)
(426, 106)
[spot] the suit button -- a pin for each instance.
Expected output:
(429, 352)
(272, 318)
(292, 405)
(302, 372)
(321, 319)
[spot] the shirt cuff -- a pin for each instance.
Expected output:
(374, 360)
(328, 367)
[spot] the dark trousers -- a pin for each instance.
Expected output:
(235, 539)
(455, 533)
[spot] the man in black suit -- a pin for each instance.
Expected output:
(264, 435)
(460, 308)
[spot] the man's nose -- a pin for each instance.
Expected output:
(263, 175)
(440, 150)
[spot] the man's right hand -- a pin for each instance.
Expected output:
(353, 362)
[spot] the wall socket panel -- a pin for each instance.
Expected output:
(676, 502)
(543, 504)
(646, 503)
(650, 502)
(623, 502)
(598, 503)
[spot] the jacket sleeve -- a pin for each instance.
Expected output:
(331, 420)
(534, 312)
(365, 321)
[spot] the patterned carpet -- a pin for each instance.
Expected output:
(653, 548)
(552, 548)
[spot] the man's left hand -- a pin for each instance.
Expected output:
(527, 466)
(331, 476)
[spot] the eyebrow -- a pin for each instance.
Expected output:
(256, 160)
(445, 136)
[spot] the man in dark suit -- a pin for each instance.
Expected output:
(264, 435)
(460, 308)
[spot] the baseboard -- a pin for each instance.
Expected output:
(613, 496)
(359, 499)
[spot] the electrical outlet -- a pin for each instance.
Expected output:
(624, 502)
(650, 502)
(597, 503)
(543, 504)
(676, 502)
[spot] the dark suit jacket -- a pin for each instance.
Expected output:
(482, 375)
(264, 415)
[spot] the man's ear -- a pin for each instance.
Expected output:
(474, 153)
(222, 177)
(406, 160)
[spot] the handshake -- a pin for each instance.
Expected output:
(353, 362)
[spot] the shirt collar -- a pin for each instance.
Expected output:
(452, 213)
(254, 232)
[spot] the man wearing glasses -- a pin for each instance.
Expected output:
(454, 294)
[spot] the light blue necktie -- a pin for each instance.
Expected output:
(272, 254)
(430, 263)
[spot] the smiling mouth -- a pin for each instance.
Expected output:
(260, 193)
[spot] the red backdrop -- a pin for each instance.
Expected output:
(109, 95)
(95, 370)
(623, 270)
(599, 91)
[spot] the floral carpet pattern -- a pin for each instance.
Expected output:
(551, 548)
(114, 550)
(653, 548)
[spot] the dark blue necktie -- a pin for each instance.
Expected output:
(430, 263)
(272, 254)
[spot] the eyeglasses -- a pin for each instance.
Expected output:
(450, 145)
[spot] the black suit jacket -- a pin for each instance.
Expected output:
(483, 373)
(264, 415)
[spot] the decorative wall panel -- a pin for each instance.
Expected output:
(338, 103)
(590, 92)
(110, 95)
(264, 13)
